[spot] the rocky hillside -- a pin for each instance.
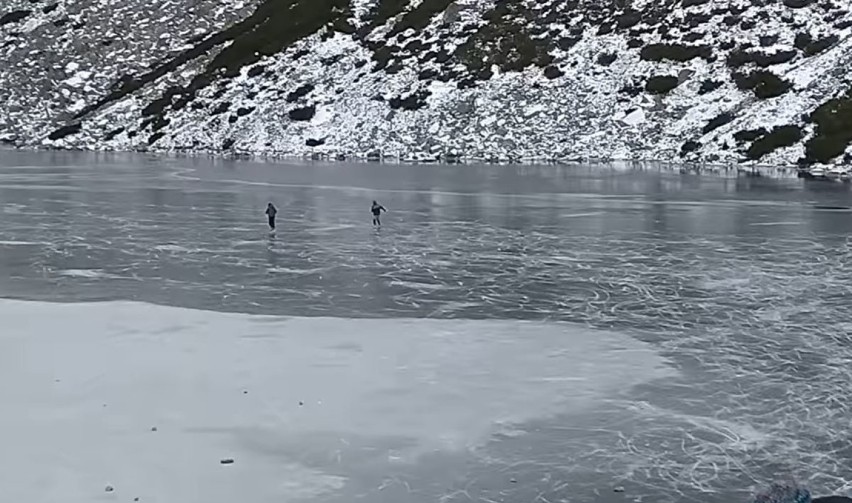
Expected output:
(703, 80)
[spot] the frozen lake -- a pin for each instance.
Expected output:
(511, 334)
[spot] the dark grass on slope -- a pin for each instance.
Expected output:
(388, 55)
(807, 44)
(515, 35)
(675, 52)
(383, 11)
(270, 29)
(833, 133)
(14, 17)
(509, 37)
(741, 57)
(420, 16)
(661, 84)
(416, 18)
(779, 137)
(717, 122)
(763, 83)
(505, 40)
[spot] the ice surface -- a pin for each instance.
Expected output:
(86, 383)
(741, 284)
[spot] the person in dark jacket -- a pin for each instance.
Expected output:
(271, 211)
(377, 210)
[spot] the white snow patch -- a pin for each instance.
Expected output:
(440, 89)
(78, 79)
(323, 115)
(77, 106)
(86, 384)
(634, 118)
(534, 110)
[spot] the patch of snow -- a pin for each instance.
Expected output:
(78, 79)
(77, 106)
(634, 118)
(174, 405)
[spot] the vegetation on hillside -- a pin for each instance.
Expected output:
(513, 35)
(833, 133)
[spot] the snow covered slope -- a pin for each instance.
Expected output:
(699, 80)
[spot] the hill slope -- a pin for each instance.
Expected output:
(499, 79)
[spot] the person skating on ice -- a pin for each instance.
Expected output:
(377, 210)
(271, 211)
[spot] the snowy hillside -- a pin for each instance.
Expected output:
(703, 80)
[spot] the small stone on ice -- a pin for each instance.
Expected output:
(301, 403)
(227, 461)
(153, 428)
(109, 489)
(619, 489)
(514, 481)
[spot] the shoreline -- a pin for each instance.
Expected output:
(747, 168)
